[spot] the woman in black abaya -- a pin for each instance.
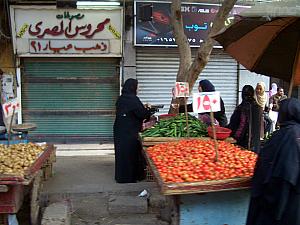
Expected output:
(130, 113)
(275, 197)
(245, 121)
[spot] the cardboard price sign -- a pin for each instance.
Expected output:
(10, 106)
(181, 89)
(206, 102)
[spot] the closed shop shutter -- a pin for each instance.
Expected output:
(70, 100)
(157, 69)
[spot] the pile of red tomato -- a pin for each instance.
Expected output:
(195, 160)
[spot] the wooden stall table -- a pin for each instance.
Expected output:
(13, 188)
(214, 202)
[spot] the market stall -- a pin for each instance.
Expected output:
(23, 167)
(220, 197)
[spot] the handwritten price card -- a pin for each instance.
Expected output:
(9, 107)
(181, 89)
(206, 102)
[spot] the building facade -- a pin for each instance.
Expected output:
(70, 63)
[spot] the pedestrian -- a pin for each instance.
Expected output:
(275, 192)
(245, 121)
(130, 114)
(220, 116)
(273, 90)
(2, 119)
(262, 99)
(274, 102)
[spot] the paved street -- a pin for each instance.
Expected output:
(84, 180)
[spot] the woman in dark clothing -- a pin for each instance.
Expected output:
(220, 116)
(130, 113)
(275, 196)
(207, 86)
(245, 121)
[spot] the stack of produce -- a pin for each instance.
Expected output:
(194, 160)
(176, 127)
(15, 159)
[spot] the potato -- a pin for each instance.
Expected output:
(15, 159)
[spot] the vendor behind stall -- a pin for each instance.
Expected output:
(220, 116)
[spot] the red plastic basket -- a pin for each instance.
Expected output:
(221, 132)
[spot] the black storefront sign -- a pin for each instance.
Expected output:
(157, 31)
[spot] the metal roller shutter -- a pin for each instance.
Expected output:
(70, 100)
(157, 69)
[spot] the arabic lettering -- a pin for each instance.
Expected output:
(57, 48)
(102, 46)
(37, 28)
(229, 20)
(66, 15)
(85, 30)
(100, 27)
(197, 27)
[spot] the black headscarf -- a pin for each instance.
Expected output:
(289, 112)
(280, 157)
(248, 93)
(220, 116)
(130, 87)
(206, 86)
(128, 100)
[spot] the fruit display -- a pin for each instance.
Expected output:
(176, 127)
(16, 158)
(194, 161)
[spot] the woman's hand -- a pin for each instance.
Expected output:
(147, 105)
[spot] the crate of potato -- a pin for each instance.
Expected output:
(19, 162)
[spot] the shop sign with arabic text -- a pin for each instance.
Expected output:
(67, 32)
(197, 19)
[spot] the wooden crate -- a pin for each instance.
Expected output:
(48, 166)
(149, 174)
(150, 141)
(238, 183)
(47, 171)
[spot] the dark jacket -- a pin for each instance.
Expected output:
(275, 100)
(275, 195)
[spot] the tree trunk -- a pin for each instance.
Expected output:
(189, 72)
(185, 54)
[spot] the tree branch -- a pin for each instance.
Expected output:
(204, 51)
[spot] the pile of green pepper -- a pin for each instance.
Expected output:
(176, 127)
